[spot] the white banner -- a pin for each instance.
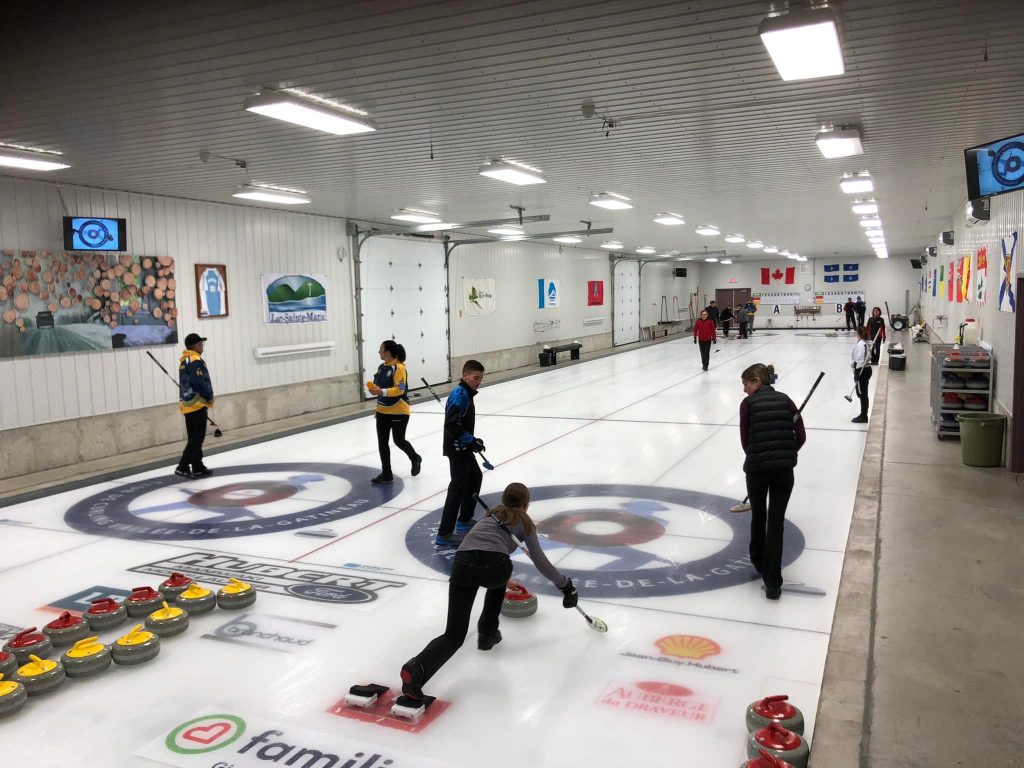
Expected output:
(250, 742)
(478, 295)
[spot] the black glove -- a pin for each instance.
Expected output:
(570, 597)
(477, 445)
(694, 339)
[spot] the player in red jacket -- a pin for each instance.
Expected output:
(705, 334)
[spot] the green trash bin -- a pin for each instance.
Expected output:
(981, 438)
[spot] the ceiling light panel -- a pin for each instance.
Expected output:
(770, 249)
(646, 249)
(612, 245)
(669, 219)
(840, 142)
(708, 230)
(310, 112)
(416, 216)
(268, 194)
(31, 159)
(870, 222)
(568, 239)
(711, 260)
(865, 207)
(735, 238)
(856, 183)
(508, 231)
(611, 201)
(803, 44)
(512, 172)
(755, 245)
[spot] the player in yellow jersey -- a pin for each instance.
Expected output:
(390, 385)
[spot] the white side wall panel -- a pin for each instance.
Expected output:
(626, 294)
(249, 240)
(517, 320)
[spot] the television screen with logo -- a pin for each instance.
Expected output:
(88, 233)
(995, 168)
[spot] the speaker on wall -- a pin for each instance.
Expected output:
(679, 272)
(947, 238)
(979, 210)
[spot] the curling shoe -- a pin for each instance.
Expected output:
(416, 464)
(486, 642)
(184, 472)
(447, 540)
(382, 479)
(201, 471)
(773, 593)
(859, 420)
(413, 679)
(462, 528)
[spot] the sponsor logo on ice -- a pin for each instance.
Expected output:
(660, 700)
(684, 651)
(276, 633)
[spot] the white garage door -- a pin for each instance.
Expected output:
(626, 282)
(404, 296)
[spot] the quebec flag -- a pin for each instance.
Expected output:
(548, 292)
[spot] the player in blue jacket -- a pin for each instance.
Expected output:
(460, 443)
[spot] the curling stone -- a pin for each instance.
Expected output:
(105, 613)
(40, 676)
(86, 657)
(781, 743)
(66, 630)
(137, 647)
(236, 594)
(197, 600)
(8, 664)
(765, 760)
(168, 621)
(12, 696)
(142, 602)
(175, 584)
(25, 643)
(774, 709)
(519, 602)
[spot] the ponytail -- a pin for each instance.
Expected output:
(400, 353)
(512, 510)
(394, 349)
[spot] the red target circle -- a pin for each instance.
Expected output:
(246, 494)
(635, 530)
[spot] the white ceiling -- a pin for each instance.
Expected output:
(704, 125)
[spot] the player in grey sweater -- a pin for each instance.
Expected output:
(482, 560)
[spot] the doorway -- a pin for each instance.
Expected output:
(731, 297)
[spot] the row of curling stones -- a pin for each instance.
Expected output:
(519, 602)
(776, 734)
(180, 589)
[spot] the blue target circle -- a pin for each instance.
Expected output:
(627, 570)
(1008, 164)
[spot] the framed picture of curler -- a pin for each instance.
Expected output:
(211, 290)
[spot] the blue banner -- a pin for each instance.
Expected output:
(850, 278)
(831, 267)
(832, 278)
(850, 267)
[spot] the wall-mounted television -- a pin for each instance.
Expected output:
(90, 233)
(995, 168)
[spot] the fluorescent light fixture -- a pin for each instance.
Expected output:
(611, 201)
(877, 240)
(840, 142)
(792, 256)
(856, 183)
(508, 230)
(416, 216)
(865, 207)
(612, 245)
(711, 259)
(726, 261)
(785, 253)
(568, 239)
(873, 232)
(803, 43)
(268, 194)
(512, 172)
(757, 245)
(870, 222)
(801, 258)
(437, 227)
(669, 219)
(883, 254)
(645, 249)
(708, 230)
(735, 239)
(770, 249)
(14, 156)
(310, 112)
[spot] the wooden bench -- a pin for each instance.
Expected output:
(549, 355)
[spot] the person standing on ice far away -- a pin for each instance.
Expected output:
(712, 310)
(771, 433)
(460, 443)
(876, 331)
(859, 307)
(390, 385)
(741, 321)
(849, 309)
(705, 334)
(195, 396)
(482, 561)
(860, 356)
(726, 318)
(751, 309)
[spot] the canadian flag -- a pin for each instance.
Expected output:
(776, 276)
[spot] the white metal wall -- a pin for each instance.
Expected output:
(248, 240)
(517, 321)
(627, 302)
(657, 282)
(402, 286)
(997, 328)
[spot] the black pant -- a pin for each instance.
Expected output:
(471, 570)
(725, 328)
(851, 322)
(705, 353)
(860, 319)
(876, 350)
(195, 428)
(769, 495)
(392, 423)
(743, 330)
(465, 482)
(861, 377)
